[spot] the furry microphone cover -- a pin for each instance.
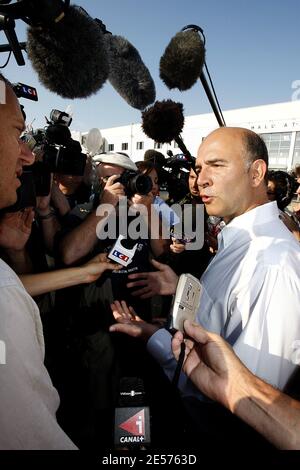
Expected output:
(182, 61)
(69, 57)
(128, 74)
(163, 121)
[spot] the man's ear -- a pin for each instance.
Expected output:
(258, 170)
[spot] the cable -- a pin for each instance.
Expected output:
(8, 58)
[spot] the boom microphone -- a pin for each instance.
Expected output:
(70, 56)
(163, 122)
(182, 62)
(128, 74)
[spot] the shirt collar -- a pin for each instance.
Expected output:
(246, 223)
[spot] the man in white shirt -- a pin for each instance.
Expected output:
(28, 400)
(251, 289)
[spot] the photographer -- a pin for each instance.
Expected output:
(84, 223)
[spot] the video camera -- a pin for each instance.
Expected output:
(56, 152)
(175, 176)
(60, 153)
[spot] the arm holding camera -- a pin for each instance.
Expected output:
(81, 240)
(216, 371)
(143, 204)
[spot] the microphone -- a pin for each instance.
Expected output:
(163, 122)
(128, 74)
(182, 63)
(132, 417)
(70, 56)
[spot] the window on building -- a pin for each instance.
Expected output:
(296, 154)
(157, 145)
(278, 145)
(111, 147)
(139, 145)
(125, 146)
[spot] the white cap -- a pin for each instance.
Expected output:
(115, 158)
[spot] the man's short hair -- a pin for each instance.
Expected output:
(256, 149)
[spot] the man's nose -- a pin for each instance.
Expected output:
(27, 156)
(202, 179)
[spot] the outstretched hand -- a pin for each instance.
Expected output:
(209, 362)
(161, 282)
(129, 322)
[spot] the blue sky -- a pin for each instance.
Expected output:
(253, 54)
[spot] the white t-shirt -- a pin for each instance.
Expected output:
(251, 296)
(28, 400)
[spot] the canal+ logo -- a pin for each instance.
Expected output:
(135, 426)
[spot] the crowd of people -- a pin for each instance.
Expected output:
(74, 322)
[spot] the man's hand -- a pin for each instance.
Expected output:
(176, 246)
(210, 363)
(112, 191)
(15, 229)
(96, 266)
(161, 282)
(129, 323)
(142, 202)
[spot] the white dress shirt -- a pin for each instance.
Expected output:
(28, 400)
(251, 296)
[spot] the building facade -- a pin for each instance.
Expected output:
(278, 124)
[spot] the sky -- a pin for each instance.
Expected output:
(252, 53)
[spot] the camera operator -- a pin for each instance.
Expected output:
(182, 259)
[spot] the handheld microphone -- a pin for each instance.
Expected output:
(128, 74)
(163, 122)
(70, 56)
(123, 251)
(132, 417)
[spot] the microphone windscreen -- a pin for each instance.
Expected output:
(182, 61)
(70, 56)
(128, 74)
(163, 121)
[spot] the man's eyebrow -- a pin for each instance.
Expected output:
(215, 160)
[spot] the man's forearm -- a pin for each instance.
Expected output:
(81, 240)
(37, 284)
(272, 413)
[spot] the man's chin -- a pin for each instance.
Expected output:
(9, 200)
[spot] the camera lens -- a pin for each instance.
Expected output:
(141, 184)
